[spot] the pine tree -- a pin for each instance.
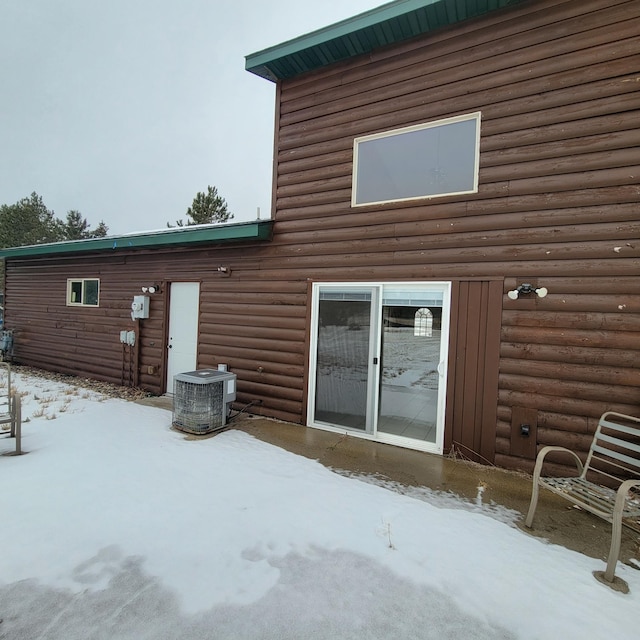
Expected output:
(28, 221)
(77, 228)
(206, 208)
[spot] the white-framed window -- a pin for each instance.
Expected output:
(83, 292)
(429, 160)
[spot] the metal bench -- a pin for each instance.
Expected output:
(11, 412)
(608, 484)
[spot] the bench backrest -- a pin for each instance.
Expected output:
(614, 455)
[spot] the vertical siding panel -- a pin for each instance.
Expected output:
(460, 350)
(471, 370)
(481, 333)
(473, 377)
(490, 373)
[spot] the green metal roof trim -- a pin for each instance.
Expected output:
(391, 23)
(179, 236)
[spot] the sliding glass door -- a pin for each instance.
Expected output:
(343, 377)
(378, 361)
(411, 352)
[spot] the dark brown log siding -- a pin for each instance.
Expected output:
(257, 327)
(557, 84)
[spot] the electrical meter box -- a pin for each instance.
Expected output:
(140, 307)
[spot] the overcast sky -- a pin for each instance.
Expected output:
(125, 109)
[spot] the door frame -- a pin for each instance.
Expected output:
(373, 384)
(168, 384)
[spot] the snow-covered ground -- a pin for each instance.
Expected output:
(114, 526)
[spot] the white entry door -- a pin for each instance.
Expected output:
(182, 347)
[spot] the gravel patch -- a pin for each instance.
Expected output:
(105, 388)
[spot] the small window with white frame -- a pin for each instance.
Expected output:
(430, 160)
(83, 292)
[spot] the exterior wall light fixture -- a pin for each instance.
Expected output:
(154, 288)
(526, 288)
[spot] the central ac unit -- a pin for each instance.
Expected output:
(202, 400)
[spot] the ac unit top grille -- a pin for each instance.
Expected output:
(204, 376)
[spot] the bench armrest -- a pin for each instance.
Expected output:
(622, 493)
(542, 455)
(537, 471)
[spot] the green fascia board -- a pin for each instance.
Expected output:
(179, 236)
(389, 24)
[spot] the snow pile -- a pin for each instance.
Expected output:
(116, 523)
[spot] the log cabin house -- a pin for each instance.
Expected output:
(454, 250)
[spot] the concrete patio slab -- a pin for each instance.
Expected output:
(555, 520)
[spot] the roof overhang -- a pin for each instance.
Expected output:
(389, 24)
(175, 237)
